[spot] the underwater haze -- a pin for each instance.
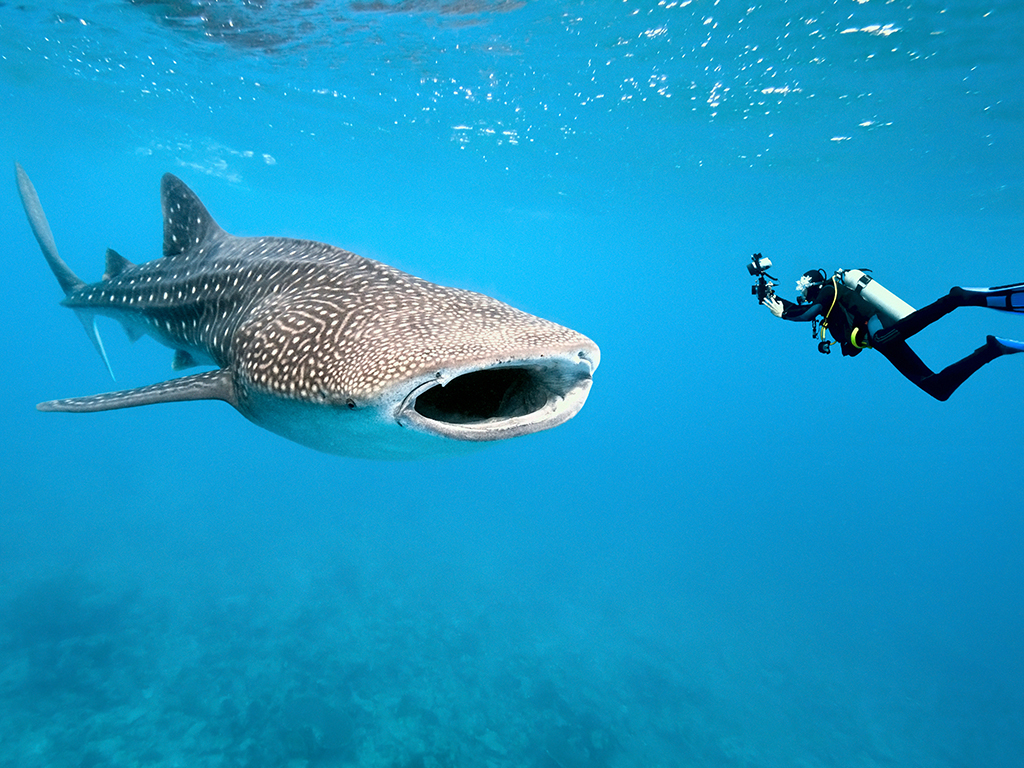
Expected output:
(741, 552)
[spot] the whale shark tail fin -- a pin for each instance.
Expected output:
(69, 281)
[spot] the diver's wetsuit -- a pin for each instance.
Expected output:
(852, 312)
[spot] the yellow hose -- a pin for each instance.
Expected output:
(835, 295)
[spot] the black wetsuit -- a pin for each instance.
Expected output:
(841, 310)
(851, 311)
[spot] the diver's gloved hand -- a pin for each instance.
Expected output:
(773, 304)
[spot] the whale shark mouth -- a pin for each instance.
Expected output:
(501, 401)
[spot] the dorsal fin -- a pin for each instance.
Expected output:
(187, 223)
(116, 264)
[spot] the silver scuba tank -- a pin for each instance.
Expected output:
(889, 306)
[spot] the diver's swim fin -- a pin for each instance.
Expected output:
(1009, 298)
(1005, 346)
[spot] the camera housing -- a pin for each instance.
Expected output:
(758, 265)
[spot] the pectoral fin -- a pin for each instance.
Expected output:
(183, 360)
(210, 385)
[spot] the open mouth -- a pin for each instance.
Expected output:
(502, 401)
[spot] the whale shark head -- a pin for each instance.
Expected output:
(405, 364)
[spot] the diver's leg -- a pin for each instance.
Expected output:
(941, 385)
(1008, 298)
(925, 316)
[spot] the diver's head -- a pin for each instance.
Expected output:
(809, 285)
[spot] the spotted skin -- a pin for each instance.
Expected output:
(304, 335)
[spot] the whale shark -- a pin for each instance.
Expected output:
(329, 349)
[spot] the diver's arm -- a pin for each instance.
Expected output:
(802, 312)
(787, 310)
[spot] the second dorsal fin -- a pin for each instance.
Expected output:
(116, 264)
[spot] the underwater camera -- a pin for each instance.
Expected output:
(758, 267)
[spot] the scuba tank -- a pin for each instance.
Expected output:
(889, 306)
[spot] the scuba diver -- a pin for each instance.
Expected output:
(861, 314)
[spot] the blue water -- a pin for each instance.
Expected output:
(740, 553)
